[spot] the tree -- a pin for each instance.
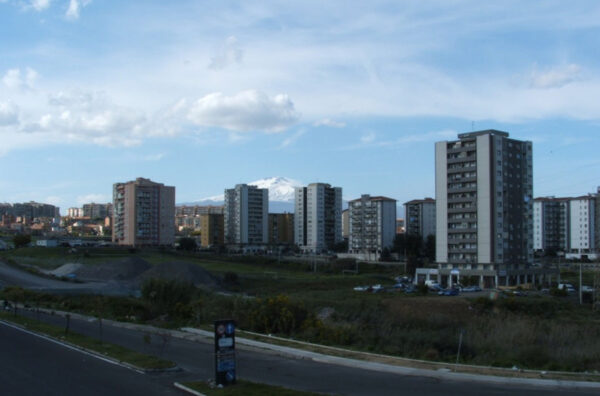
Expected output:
(408, 244)
(430, 247)
(21, 240)
(187, 244)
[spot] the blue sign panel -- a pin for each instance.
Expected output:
(225, 365)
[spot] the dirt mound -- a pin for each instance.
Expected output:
(65, 270)
(182, 271)
(124, 269)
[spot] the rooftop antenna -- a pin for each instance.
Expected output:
(473, 126)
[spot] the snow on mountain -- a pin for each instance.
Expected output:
(281, 189)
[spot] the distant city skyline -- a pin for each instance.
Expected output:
(206, 96)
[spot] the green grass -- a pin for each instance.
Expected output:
(114, 351)
(245, 388)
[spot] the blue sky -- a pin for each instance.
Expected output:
(203, 95)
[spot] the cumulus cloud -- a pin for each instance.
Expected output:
(75, 7)
(9, 114)
(90, 117)
(330, 123)
(555, 77)
(230, 53)
(15, 79)
(245, 111)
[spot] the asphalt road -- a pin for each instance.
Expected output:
(196, 360)
(30, 365)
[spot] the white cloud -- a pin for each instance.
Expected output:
(13, 78)
(245, 111)
(39, 5)
(9, 114)
(230, 53)
(75, 7)
(92, 198)
(292, 139)
(368, 138)
(329, 123)
(555, 77)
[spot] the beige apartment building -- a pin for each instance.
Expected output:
(212, 227)
(143, 213)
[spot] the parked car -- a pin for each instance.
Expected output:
(449, 292)
(587, 289)
(470, 289)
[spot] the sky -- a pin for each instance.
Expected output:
(203, 95)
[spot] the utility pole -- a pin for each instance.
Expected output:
(580, 278)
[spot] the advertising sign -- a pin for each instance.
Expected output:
(225, 352)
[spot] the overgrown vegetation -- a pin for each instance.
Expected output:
(290, 300)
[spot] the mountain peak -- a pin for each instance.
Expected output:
(281, 189)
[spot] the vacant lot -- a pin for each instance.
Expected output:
(288, 299)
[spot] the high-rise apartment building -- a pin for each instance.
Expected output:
(372, 223)
(420, 217)
(567, 225)
(551, 224)
(484, 207)
(246, 215)
(143, 213)
(318, 217)
(281, 228)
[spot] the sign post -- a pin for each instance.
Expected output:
(225, 366)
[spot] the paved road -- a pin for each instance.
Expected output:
(30, 365)
(302, 374)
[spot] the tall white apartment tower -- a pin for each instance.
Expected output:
(246, 214)
(317, 217)
(484, 213)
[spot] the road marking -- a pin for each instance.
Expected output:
(72, 347)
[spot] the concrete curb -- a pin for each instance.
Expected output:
(193, 334)
(383, 367)
(89, 352)
(186, 389)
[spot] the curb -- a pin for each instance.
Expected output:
(89, 352)
(192, 334)
(401, 370)
(186, 389)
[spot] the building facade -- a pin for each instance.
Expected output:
(97, 211)
(550, 224)
(568, 225)
(318, 217)
(31, 210)
(372, 223)
(420, 217)
(281, 228)
(246, 215)
(212, 226)
(143, 213)
(484, 207)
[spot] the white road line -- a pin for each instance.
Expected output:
(72, 347)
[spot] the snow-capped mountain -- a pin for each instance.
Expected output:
(281, 189)
(281, 194)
